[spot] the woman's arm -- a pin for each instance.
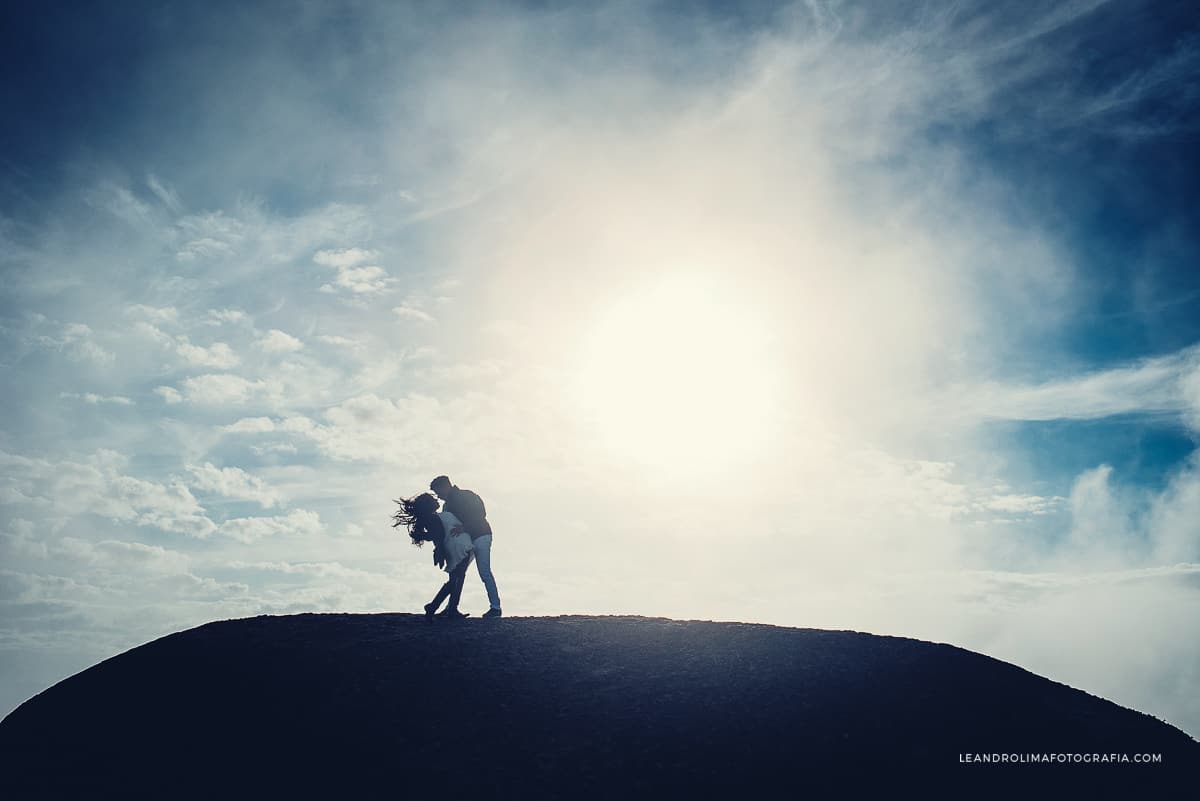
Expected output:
(436, 533)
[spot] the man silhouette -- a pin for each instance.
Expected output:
(468, 507)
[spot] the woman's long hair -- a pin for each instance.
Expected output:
(413, 513)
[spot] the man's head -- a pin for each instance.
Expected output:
(441, 486)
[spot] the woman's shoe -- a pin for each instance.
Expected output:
(429, 610)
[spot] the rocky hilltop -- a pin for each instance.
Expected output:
(391, 706)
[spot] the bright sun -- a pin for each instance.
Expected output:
(675, 377)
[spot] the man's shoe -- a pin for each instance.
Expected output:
(493, 613)
(429, 610)
(452, 614)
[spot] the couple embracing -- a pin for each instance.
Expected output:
(460, 534)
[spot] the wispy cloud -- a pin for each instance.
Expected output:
(167, 196)
(78, 342)
(1163, 384)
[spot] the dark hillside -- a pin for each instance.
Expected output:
(389, 706)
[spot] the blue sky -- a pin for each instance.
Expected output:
(854, 315)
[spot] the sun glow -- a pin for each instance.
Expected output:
(675, 377)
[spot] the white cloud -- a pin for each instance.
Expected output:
(121, 203)
(341, 342)
(153, 333)
(1160, 384)
(53, 592)
(20, 539)
(349, 257)
(1026, 504)
(120, 554)
(1115, 524)
(209, 236)
(1174, 516)
(170, 395)
(352, 274)
(168, 196)
(467, 372)
(1189, 387)
(276, 341)
(273, 447)
(218, 355)
(322, 569)
(220, 389)
(78, 342)
(298, 522)
(169, 507)
(1115, 633)
(98, 485)
(412, 313)
(94, 399)
(232, 482)
(222, 316)
(154, 314)
(297, 424)
(248, 238)
(188, 585)
(369, 280)
(371, 428)
(250, 425)
(204, 248)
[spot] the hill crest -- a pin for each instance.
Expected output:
(572, 706)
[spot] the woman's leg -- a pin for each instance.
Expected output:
(433, 605)
(456, 582)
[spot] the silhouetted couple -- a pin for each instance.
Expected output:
(460, 534)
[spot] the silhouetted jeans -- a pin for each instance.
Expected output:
(483, 561)
(453, 586)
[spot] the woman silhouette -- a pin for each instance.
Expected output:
(452, 548)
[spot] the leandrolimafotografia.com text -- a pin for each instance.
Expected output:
(1057, 758)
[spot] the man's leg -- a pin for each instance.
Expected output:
(483, 562)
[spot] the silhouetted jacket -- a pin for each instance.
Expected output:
(468, 507)
(451, 549)
(432, 530)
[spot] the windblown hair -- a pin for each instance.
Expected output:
(413, 514)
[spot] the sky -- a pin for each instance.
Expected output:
(871, 316)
